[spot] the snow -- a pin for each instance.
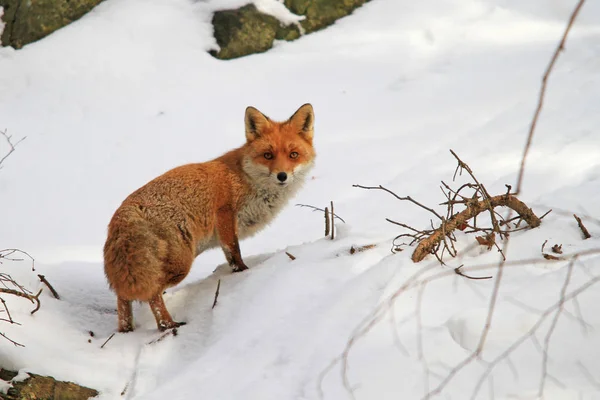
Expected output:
(129, 91)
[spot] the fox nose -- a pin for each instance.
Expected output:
(282, 176)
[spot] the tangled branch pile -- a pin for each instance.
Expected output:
(475, 199)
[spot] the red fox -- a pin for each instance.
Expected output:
(158, 231)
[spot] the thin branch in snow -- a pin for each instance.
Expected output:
(11, 145)
(559, 48)
(216, 294)
(406, 198)
(588, 375)
(559, 310)
(107, 340)
(45, 281)
(319, 209)
(420, 352)
(531, 333)
(586, 234)
(17, 344)
(6, 254)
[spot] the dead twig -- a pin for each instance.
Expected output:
(7, 255)
(327, 222)
(107, 340)
(559, 310)
(11, 145)
(34, 299)
(586, 233)
(427, 245)
(332, 222)
(45, 281)
(559, 48)
(290, 256)
(361, 248)
(406, 198)
(7, 312)
(173, 332)
(459, 272)
(319, 209)
(17, 344)
(216, 294)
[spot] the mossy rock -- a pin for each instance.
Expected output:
(38, 387)
(247, 31)
(29, 20)
(322, 13)
(243, 31)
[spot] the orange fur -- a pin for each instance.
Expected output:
(158, 230)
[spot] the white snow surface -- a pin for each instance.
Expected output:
(129, 91)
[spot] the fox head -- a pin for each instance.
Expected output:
(279, 153)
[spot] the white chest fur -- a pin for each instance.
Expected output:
(262, 206)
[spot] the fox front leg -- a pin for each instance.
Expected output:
(227, 231)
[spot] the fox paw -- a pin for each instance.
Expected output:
(165, 325)
(239, 268)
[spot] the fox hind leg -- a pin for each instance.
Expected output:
(125, 315)
(164, 320)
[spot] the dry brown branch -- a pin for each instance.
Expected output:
(550, 256)
(332, 223)
(290, 256)
(17, 344)
(327, 222)
(557, 249)
(407, 198)
(216, 294)
(420, 352)
(107, 340)
(427, 245)
(11, 145)
(559, 48)
(7, 254)
(559, 310)
(173, 332)
(45, 281)
(319, 209)
(586, 234)
(459, 272)
(529, 334)
(34, 299)
(414, 281)
(361, 248)
(441, 240)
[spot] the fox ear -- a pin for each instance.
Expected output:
(303, 120)
(256, 122)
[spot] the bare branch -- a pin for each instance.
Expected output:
(586, 234)
(45, 281)
(407, 198)
(12, 341)
(216, 294)
(319, 209)
(107, 340)
(426, 246)
(559, 48)
(559, 310)
(459, 272)
(11, 145)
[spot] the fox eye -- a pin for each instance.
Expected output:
(294, 154)
(268, 155)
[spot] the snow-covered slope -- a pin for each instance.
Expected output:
(129, 91)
